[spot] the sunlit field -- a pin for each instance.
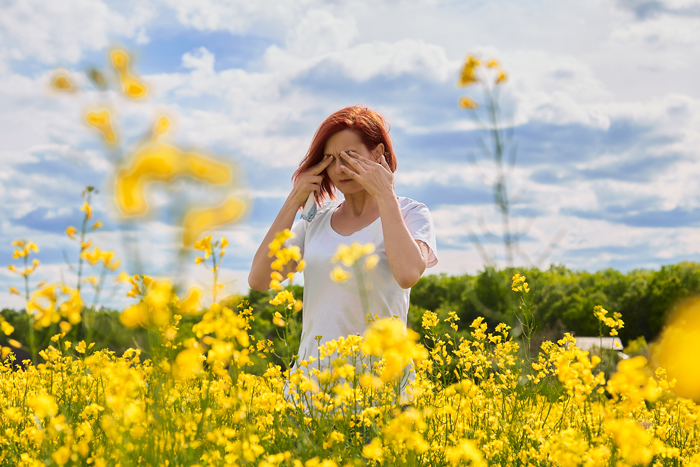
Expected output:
(202, 388)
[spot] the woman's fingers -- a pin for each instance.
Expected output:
(321, 166)
(352, 161)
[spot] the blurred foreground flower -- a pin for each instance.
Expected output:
(159, 162)
(46, 309)
(101, 120)
(132, 86)
(678, 349)
(389, 338)
(62, 82)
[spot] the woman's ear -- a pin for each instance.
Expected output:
(378, 152)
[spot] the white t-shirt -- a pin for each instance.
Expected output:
(334, 309)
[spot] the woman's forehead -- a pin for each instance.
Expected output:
(342, 141)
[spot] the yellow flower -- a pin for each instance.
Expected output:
(44, 405)
(13, 290)
(282, 297)
(278, 242)
(349, 254)
(71, 231)
(468, 75)
(14, 343)
(6, 327)
(388, 338)
(502, 77)
(371, 262)
(678, 349)
(65, 326)
(101, 120)
(88, 210)
(92, 280)
(161, 126)
(277, 320)
(223, 243)
(465, 451)
(374, 450)
(191, 304)
(519, 284)
(132, 87)
(276, 276)
(197, 222)
(199, 260)
(492, 64)
(61, 455)
(97, 225)
(339, 275)
(467, 103)
(134, 316)
(205, 246)
(61, 82)
(188, 364)
(71, 307)
(430, 320)
(123, 277)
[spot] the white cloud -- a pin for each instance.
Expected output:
(59, 32)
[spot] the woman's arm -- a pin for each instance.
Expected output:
(260, 270)
(407, 257)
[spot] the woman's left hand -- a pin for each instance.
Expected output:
(375, 177)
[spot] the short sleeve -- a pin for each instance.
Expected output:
(420, 224)
(299, 231)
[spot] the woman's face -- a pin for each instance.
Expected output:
(347, 140)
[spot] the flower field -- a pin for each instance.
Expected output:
(475, 400)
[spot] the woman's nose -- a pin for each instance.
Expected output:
(336, 164)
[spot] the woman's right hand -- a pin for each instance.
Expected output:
(309, 181)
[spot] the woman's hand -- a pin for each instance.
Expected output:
(309, 181)
(375, 177)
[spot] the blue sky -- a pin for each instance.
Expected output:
(601, 97)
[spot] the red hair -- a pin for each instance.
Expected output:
(368, 124)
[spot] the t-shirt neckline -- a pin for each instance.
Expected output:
(332, 230)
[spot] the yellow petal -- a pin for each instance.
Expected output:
(191, 303)
(197, 222)
(339, 275)
(467, 103)
(62, 82)
(371, 262)
(161, 126)
(188, 364)
(6, 327)
(120, 60)
(134, 316)
(102, 121)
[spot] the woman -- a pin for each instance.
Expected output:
(352, 153)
